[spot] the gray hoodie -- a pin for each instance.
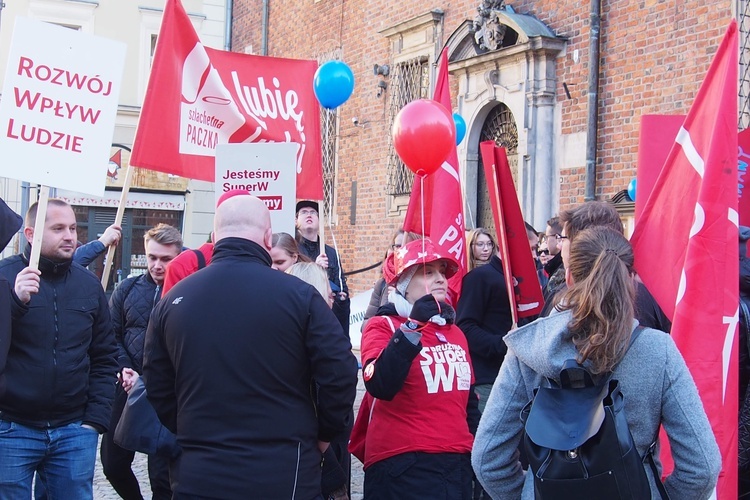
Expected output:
(658, 388)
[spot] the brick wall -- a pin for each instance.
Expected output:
(654, 56)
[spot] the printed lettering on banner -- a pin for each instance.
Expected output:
(59, 106)
(445, 368)
(266, 170)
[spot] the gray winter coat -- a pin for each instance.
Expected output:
(658, 388)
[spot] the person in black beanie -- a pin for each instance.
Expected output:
(10, 223)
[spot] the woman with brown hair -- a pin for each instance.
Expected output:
(594, 327)
(284, 252)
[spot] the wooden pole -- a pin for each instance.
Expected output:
(118, 221)
(41, 216)
(502, 238)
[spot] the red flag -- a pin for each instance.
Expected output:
(443, 203)
(685, 245)
(198, 98)
(524, 290)
(654, 144)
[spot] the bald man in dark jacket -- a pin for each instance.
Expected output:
(236, 347)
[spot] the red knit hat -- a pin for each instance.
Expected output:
(415, 253)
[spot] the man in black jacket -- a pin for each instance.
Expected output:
(61, 366)
(308, 225)
(130, 305)
(236, 347)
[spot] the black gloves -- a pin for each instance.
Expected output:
(425, 308)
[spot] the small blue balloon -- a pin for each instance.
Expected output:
(631, 189)
(333, 84)
(460, 128)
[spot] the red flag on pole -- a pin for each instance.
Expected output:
(523, 289)
(199, 97)
(685, 245)
(443, 202)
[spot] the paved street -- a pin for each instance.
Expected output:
(103, 490)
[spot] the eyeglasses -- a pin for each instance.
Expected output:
(543, 252)
(308, 212)
(561, 237)
(485, 244)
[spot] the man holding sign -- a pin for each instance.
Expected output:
(61, 367)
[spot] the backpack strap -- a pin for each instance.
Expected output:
(201, 258)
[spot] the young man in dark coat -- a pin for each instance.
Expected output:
(308, 225)
(236, 348)
(130, 305)
(61, 366)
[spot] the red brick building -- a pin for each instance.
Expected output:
(522, 80)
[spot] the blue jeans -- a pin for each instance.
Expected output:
(65, 456)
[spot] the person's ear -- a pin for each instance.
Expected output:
(268, 239)
(569, 278)
(28, 232)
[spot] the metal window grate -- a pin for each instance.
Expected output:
(329, 121)
(499, 126)
(743, 17)
(410, 81)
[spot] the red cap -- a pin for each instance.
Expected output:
(414, 254)
(231, 194)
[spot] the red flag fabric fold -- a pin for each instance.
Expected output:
(524, 289)
(199, 97)
(443, 201)
(686, 251)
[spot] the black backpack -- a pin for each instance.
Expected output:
(578, 443)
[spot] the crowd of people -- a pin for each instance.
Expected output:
(243, 348)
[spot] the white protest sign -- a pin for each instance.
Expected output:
(268, 171)
(59, 105)
(357, 308)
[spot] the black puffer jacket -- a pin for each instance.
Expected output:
(61, 366)
(130, 307)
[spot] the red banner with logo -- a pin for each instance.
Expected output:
(198, 98)
(686, 251)
(443, 209)
(518, 264)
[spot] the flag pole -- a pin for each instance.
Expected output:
(41, 217)
(118, 222)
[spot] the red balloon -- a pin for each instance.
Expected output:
(424, 135)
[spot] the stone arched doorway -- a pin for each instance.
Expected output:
(499, 126)
(505, 64)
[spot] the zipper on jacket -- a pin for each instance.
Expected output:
(296, 471)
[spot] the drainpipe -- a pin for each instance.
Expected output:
(592, 121)
(228, 25)
(264, 30)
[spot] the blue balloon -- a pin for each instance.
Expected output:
(333, 84)
(631, 189)
(460, 128)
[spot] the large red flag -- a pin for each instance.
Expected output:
(526, 298)
(685, 245)
(199, 97)
(443, 209)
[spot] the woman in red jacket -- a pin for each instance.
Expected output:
(416, 365)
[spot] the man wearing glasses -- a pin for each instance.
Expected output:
(554, 267)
